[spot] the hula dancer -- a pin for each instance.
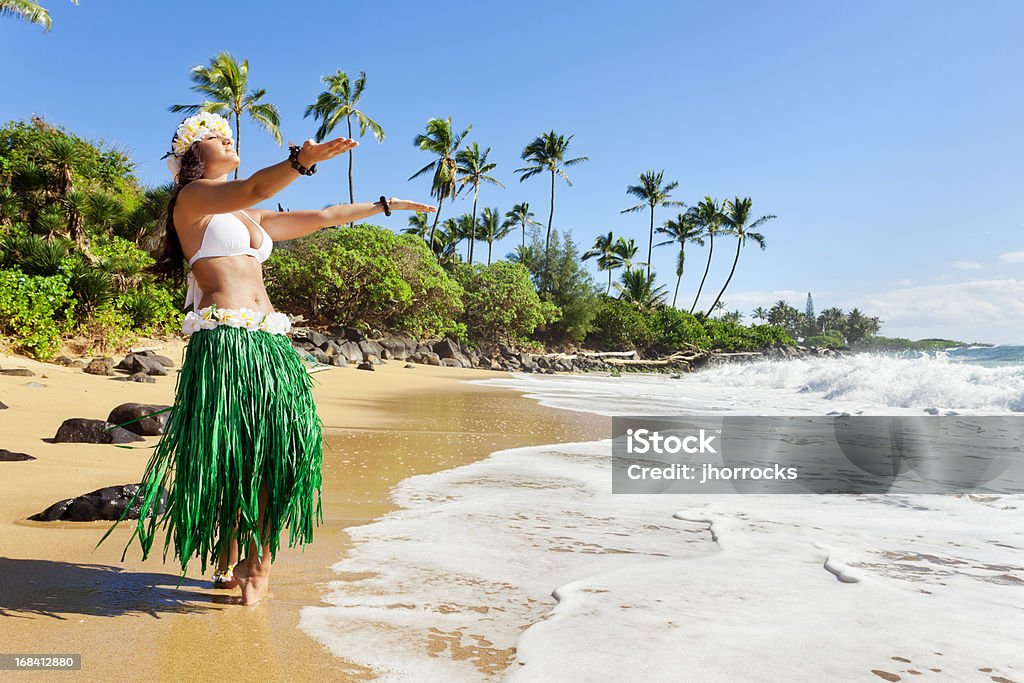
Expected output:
(241, 453)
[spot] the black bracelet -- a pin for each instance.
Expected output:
(293, 156)
(387, 208)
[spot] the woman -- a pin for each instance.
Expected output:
(243, 438)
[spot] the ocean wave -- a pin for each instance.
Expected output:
(879, 380)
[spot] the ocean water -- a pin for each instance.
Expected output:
(525, 567)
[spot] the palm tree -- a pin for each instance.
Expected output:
(625, 252)
(10, 204)
(524, 255)
(736, 218)
(733, 316)
(27, 10)
(607, 259)
(831, 319)
(652, 194)
(225, 84)
(147, 220)
(638, 288)
(492, 229)
(522, 216)
(718, 306)
(446, 241)
(760, 313)
(472, 164)
(76, 205)
(465, 226)
(62, 155)
(680, 231)
(339, 102)
(708, 215)
(547, 153)
(440, 141)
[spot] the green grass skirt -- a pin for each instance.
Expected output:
(243, 415)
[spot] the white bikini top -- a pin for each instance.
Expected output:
(226, 235)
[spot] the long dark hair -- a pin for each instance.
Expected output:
(171, 264)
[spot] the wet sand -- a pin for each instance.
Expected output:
(57, 595)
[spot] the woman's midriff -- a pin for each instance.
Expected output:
(232, 282)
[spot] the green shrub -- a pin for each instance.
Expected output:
(570, 287)
(33, 254)
(91, 288)
(118, 255)
(832, 341)
(35, 310)
(618, 326)
(500, 302)
(368, 276)
(727, 335)
(673, 330)
(150, 309)
(111, 331)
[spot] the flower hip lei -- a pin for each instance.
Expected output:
(211, 316)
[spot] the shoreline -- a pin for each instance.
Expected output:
(379, 429)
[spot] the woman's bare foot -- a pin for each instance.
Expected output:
(253, 578)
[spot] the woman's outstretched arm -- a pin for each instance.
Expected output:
(287, 225)
(206, 196)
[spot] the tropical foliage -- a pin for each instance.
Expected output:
(72, 220)
(27, 10)
(367, 277)
(224, 84)
(77, 233)
(338, 102)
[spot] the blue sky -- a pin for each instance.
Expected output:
(885, 136)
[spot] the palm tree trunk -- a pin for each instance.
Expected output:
(472, 229)
(351, 193)
(711, 250)
(489, 242)
(739, 243)
(676, 293)
(238, 137)
(547, 241)
(650, 243)
(609, 290)
(430, 241)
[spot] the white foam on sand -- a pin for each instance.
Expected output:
(525, 567)
(529, 550)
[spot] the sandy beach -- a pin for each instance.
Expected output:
(58, 595)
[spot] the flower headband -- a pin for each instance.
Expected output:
(193, 129)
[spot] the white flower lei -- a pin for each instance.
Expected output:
(193, 129)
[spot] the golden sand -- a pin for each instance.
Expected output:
(58, 595)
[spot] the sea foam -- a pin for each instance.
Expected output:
(524, 566)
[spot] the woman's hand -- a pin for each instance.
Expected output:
(407, 205)
(314, 152)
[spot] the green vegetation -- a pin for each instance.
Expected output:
(29, 10)
(366, 277)
(620, 325)
(902, 344)
(78, 232)
(501, 304)
(72, 219)
(339, 102)
(225, 86)
(833, 327)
